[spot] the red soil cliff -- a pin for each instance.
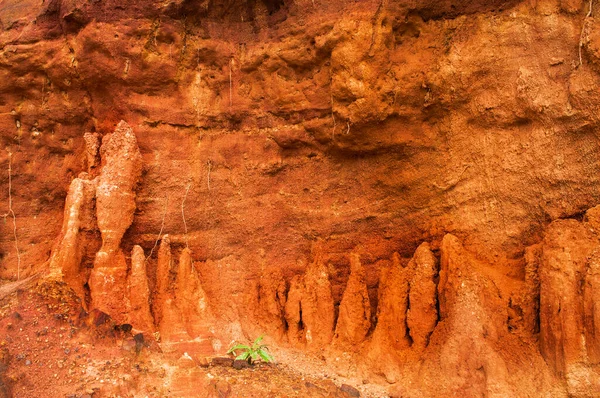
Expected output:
(412, 183)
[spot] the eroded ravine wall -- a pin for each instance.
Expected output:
(267, 126)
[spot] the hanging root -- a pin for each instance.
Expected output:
(230, 84)
(583, 34)
(162, 227)
(332, 115)
(209, 166)
(12, 214)
(183, 214)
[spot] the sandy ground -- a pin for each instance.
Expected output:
(52, 350)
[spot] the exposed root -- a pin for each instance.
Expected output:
(12, 214)
(9, 288)
(162, 227)
(230, 84)
(183, 215)
(583, 34)
(332, 115)
(209, 165)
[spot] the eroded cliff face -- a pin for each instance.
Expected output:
(403, 180)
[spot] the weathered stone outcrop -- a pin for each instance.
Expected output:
(317, 304)
(163, 280)
(140, 316)
(472, 308)
(568, 274)
(190, 298)
(591, 309)
(591, 294)
(115, 206)
(67, 255)
(309, 308)
(167, 315)
(354, 319)
(530, 298)
(293, 312)
(115, 195)
(269, 309)
(407, 311)
(566, 248)
(466, 344)
(179, 304)
(108, 286)
(422, 314)
(391, 328)
(390, 338)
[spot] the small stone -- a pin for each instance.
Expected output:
(139, 341)
(351, 391)
(314, 389)
(203, 362)
(67, 351)
(329, 386)
(222, 361)
(27, 362)
(221, 387)
(129, 344)
(186, 362)
(240, 364)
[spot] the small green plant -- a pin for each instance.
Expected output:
(252, 353)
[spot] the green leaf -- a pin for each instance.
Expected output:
(258, 340)
(238, 347)
(265, 356)
(252, 354)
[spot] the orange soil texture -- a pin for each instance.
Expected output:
(398, 194)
